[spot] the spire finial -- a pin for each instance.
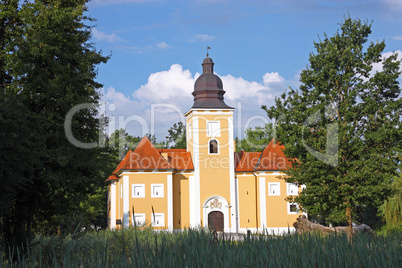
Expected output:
(208, 47)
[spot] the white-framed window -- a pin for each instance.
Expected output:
(292, 188)
(138, 191)
(213, 129)
(213, 147)
(293, 208)
(274, 188)
(157, 190)
(139, 219)
(158, 219)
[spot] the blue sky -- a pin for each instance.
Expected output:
(259, 49)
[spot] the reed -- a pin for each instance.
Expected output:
(142, 247)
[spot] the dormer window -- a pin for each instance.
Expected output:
(213, 146)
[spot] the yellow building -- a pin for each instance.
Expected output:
(208, 184)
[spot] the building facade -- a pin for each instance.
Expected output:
(207, 184)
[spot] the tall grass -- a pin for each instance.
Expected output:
(197, 248)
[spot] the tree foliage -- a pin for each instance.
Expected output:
(391, 210)
(48, 66)
(176, 138)
(256, 139)
(343, 125)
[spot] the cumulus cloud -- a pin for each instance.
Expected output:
(377, 67)
(166, 96)
(101, 36)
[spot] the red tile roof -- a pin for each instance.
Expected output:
(122, 162)
(273, 158)
(180, 160)
(248, 161)
(146, 157)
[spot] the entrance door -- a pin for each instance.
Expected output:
(215, 221)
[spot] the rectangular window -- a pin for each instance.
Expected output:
(293, 208)
(292, 188)
(158, 219)
(189, 131)
(274, 188)
(213, 129)
(139, 219)
(157, 190)
(138, 190)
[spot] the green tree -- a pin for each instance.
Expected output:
(256, 139)
(391, 210)
(176, 138)
(343, 125)
(53, 69)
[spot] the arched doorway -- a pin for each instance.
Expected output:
(216, 204)
(216, 221)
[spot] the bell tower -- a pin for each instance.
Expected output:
(210, 140)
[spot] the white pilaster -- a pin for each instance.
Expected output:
(233, 194)
(263, 203)
(112, 206)
(194, 183)
(170, 201)
(126, 209)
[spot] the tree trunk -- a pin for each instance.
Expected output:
(302, 224)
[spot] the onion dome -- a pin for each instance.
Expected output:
(208, 89)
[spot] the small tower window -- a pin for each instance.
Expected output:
(213, 147)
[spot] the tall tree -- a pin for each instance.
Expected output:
(343, 125)
(53, 70)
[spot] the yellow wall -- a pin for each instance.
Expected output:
(248, 210)
(277, 210)
(144, 205)
(181, 210)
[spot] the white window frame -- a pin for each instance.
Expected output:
(142, 215)
(162, 217)
(213, 132)
(157, 185)
(217, 146)
(269, 188)
(133, 192)
(297, 206)
(289, 186)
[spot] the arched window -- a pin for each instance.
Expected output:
(213, 146)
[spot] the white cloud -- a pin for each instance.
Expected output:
(101, 36)
(398, 38)
(377, 67)
(167, 85)
(162, 45)
(202, 38)
(168, 94)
